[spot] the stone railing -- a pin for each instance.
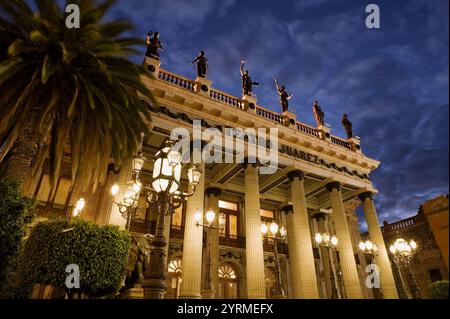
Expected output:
(405, 223)
(238, 103)
(176, 80)
(269, 115)
(308, 129)
(338, 141)
(227, 99)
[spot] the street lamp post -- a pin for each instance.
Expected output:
(330, 242)
(275, 233)
(163, 192)
(403, 252)
(210, 218)
(371, 249)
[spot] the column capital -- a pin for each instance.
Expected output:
(287, 208)
(320, 216)
(333, 185)
(246, 163)
(297, 173)
(363, 196)
(213, 190)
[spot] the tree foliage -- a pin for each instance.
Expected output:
(101, 253)
(74, 86)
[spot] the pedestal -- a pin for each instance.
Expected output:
(249, 103)
(325, 132)
(152, 66)
(290, 119)
(202, 86)
(355, 142)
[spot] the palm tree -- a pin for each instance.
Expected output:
(62, 87)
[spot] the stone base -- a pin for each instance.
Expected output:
(137, 292)
(282, 296)
(208, 294)
(154, 289)
(356, 144)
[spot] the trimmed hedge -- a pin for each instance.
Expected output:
(439, 289)
(16, 213)
(101, 253)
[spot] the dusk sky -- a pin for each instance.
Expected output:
(392, 81)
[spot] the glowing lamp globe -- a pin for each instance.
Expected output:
(274, 228)
(210, 216)
(166, 177)
(264, 228)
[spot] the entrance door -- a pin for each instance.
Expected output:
(228, 282)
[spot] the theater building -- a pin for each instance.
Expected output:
(320, 180)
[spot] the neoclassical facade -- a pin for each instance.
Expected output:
(319, 182)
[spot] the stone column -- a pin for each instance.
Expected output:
(303, 271)
(382, 259)
(345, 247)
(193, 243)
(325, 254)
(213, 194)
(254, 244)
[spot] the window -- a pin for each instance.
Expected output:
(435, 274)
(229, 212)
(226, 271)
(267, 216)
(63, 190)
(228, 205)
(175, 266)
(177, 218)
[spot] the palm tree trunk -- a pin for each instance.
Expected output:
(18, 163)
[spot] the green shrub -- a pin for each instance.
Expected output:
(439, 289)
(16, 213)
(101, 253)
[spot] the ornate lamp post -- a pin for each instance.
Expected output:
(128, 204)
(210, 218)
(369, 248)
(163, 192)
(330, 242)
(275, 233)
(403, 252)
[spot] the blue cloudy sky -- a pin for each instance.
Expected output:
(392, 81)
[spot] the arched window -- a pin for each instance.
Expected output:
(226, 271)
(174, 266)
